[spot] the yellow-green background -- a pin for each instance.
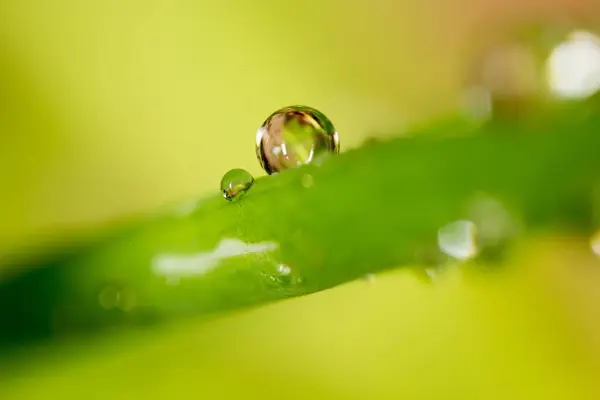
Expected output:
(113, 107)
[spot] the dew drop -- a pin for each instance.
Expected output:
(293, 136)
(109, 297)
(307, 180)
(235, 182)
(283, 269)
(497, 227)
(595, 243)
(457, 239)
(127, 300)
(369, 278)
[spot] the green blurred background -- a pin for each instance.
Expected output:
(109, 108)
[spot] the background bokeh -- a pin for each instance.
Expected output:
(109, 108)
(114, 107)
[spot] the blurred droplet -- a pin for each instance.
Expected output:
(509, 75)
(185, 208)
(109, 297)
(457, 239)
(283, 269)
(573, 67)
(235, 182)
(504, 82)
(477, 101)
(595, 243)
(126, 299)
(428, 275)
(293, 136)
(307, 180)
(369, 278)
(283, 276)
(494, 222)
(496, 227)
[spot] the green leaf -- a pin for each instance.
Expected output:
(310, 228)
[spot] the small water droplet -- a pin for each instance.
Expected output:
(235, 182)
(109, 297)
(595, 243)
(369, 278)
(185, 208)
(127, 299)
(432, 273)
(307, 180)
(429, 275)
(293, 136)
(497, 227)
(457, 239)
(284, 269)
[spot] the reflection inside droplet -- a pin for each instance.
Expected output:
(293, 136)
(573, 67)
(457, 239)
(235, 182)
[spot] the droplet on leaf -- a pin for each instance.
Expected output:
(293, 136)
(457, 239)
(307, 180)
(235, 182)
(595, 243)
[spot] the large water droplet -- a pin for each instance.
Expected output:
(236, 182)
(293, 136)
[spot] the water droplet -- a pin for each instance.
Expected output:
(307, 180)
(293, 136)
(493, 220)
(127, 300)
(109, 297)
(369, 278)
(457, 239)
(236, 182)
(497, 228)
(185, 208)
(595, 243)
(283, 275)
(429, 275)
(284, 269)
